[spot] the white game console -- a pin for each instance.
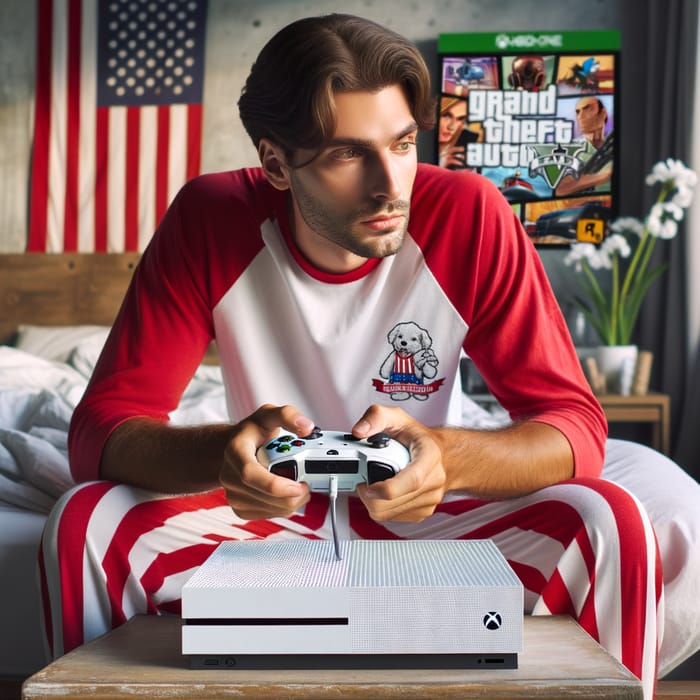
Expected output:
(385, 604)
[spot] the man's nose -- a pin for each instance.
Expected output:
(385, 182)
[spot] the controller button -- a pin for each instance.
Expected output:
(350, 437)
(377, 471)
(284, 447)
(298, 443)
(285, 438)
(332, 452)
(315, 434)
(379, 440)
(272, 445)
(287, 469)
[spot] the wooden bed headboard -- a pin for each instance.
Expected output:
(62, 289)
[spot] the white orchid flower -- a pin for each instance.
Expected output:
(578, 253)
(612, 307)
(683, 197)
(672, 170)
(616, 243)
(628, 224)
(662, 220)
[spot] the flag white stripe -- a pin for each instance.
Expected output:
(148, 141)
(57, 139)
(116, 180)
(177, 156)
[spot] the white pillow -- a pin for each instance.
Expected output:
(56, 343)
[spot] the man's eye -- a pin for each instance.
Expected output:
(347, 153)
(404, 146)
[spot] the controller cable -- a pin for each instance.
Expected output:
(333, 496)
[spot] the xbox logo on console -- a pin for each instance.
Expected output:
(492, 621)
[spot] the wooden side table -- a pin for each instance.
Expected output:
(651, 408)
(143, 659)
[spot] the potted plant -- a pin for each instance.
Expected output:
(616, 275)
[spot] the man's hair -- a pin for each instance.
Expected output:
(289, 95)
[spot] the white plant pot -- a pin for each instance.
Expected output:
(617, 364)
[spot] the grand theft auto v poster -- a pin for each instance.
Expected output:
(535, 113)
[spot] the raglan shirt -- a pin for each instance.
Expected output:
(223, 265)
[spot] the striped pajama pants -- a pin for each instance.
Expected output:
(584, 548)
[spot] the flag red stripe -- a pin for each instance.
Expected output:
(131, 185)
(70, 211)
(162, 162)
(194, 139)
(101, 175)
(42, 128)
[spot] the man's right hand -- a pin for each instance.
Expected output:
(251, 490)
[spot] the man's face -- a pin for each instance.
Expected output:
(590, 115)
(352, 201)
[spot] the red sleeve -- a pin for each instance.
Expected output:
(165, 323)
(517, 336)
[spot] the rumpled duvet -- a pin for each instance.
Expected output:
(37, 398)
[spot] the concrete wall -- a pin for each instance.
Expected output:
(236, 31)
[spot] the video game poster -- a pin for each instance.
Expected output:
(536, 113)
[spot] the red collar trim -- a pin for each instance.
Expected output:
(308, 267)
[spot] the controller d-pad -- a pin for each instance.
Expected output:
(378, 471)
(287, 469)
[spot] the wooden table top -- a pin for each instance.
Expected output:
(143, 659)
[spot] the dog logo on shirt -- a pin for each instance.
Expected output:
(410, 363)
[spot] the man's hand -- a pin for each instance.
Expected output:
(252, 491)
(415, 491)
(491, 464)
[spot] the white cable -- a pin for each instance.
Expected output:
(333, 496)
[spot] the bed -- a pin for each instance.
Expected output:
(37, 388)
(55, 313)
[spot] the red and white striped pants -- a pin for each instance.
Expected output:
(584, 548)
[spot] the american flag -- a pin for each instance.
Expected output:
(118, 119)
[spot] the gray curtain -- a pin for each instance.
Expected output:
(659, 45)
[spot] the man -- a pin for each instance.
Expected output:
(591, 117)
(300, 270)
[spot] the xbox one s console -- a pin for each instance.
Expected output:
(384, 604)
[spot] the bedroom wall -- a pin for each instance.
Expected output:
(236, 31)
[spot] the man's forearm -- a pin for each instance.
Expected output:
(169, 459)
(505, 463)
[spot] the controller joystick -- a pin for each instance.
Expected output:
(316, 457)
(313, 435)
(379, 440)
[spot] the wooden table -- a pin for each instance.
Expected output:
(142, 659)
(651, 408)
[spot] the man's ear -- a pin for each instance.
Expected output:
(273, 164)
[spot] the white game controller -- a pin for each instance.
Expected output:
(316, 457)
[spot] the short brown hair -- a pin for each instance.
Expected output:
(289, 95)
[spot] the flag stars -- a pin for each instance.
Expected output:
(151, 50)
